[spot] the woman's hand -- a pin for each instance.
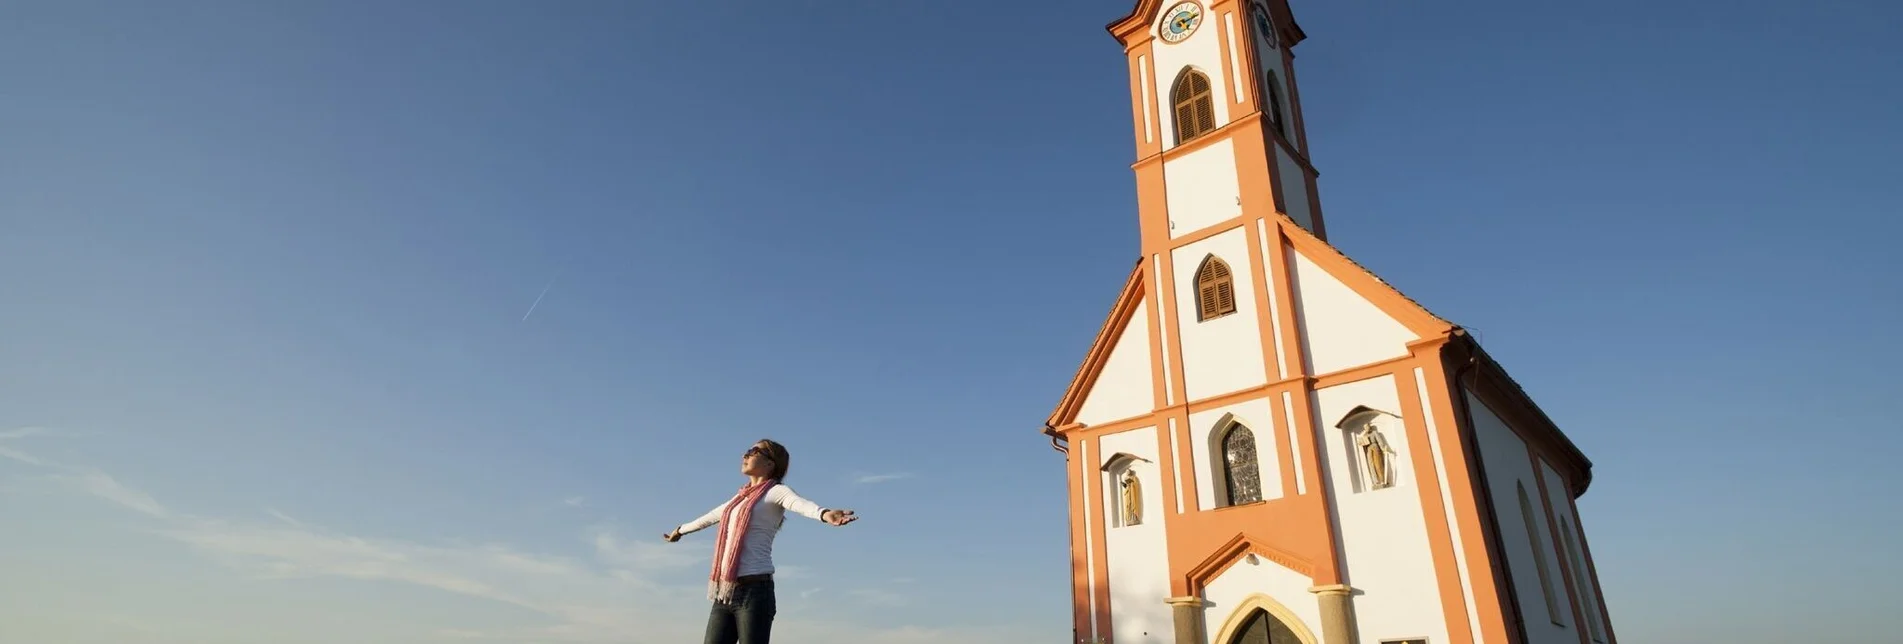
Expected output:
(838, 517)
(672, 537)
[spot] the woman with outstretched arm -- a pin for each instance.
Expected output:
(741, 584)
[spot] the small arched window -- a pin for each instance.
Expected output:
(1241, 476)
(1195, 111)
(1215, 289)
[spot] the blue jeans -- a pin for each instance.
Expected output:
(745, 618)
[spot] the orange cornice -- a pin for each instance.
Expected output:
(1119, 318)
(1138, 19)
(1125, 29)
(1227, 555)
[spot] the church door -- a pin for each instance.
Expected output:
(1263, 628)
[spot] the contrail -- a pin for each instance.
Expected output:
(538, 300)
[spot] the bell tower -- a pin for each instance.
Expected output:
(1217, 116)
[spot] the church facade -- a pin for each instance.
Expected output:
(1267, 443)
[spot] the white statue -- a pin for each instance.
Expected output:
(1374, 455)
(1132, 499)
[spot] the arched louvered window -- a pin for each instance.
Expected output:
(1241, 476)
(1215, 289)
(1195, 107)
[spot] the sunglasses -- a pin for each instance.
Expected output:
(758, 451)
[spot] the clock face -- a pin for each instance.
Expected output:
(1263, 24)
(1181, 21)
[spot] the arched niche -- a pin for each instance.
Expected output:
(1372, 439)
(1125, 480)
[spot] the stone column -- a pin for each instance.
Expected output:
(1338, 614)
(1187, 613)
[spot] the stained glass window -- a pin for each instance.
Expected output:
(1241, 475)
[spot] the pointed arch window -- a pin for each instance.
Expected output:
(1241, 475)
(1263, 628)
(1215, 289)
(1195, 106)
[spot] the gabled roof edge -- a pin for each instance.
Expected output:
(1427, 324)
(1119, 317)
(1497, 373)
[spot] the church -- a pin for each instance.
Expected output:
(1268, 444)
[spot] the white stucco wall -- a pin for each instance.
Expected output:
(1222, 355)
(1137, 556)
(1125, 388)
(1568, 537)
(1292, 178)
(1202, 51)
(1507, 463)
(1233, 587)
(1201, 189)
(1383, 532)
(1339, 328)
(1206, 428)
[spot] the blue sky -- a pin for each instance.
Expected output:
(264, 270)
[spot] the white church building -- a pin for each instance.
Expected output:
(1267, 443)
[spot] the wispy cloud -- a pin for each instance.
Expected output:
(881, 478)
(103, 485)
(878, 596)
(598, 600)
(583, 600)
(23, 432)
(575, 501)
(17, 455)
(87, 479)
(616, 551)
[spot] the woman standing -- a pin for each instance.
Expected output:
(741, 584)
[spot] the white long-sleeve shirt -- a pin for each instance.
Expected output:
(769, 513)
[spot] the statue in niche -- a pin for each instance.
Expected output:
(1132, 498)
(1374, 456)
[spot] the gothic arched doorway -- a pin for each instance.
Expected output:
(1260, 627)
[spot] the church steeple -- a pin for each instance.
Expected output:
(1217, 115)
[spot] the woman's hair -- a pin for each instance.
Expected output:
(777, 452)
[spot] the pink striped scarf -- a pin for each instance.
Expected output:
(734, 520)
